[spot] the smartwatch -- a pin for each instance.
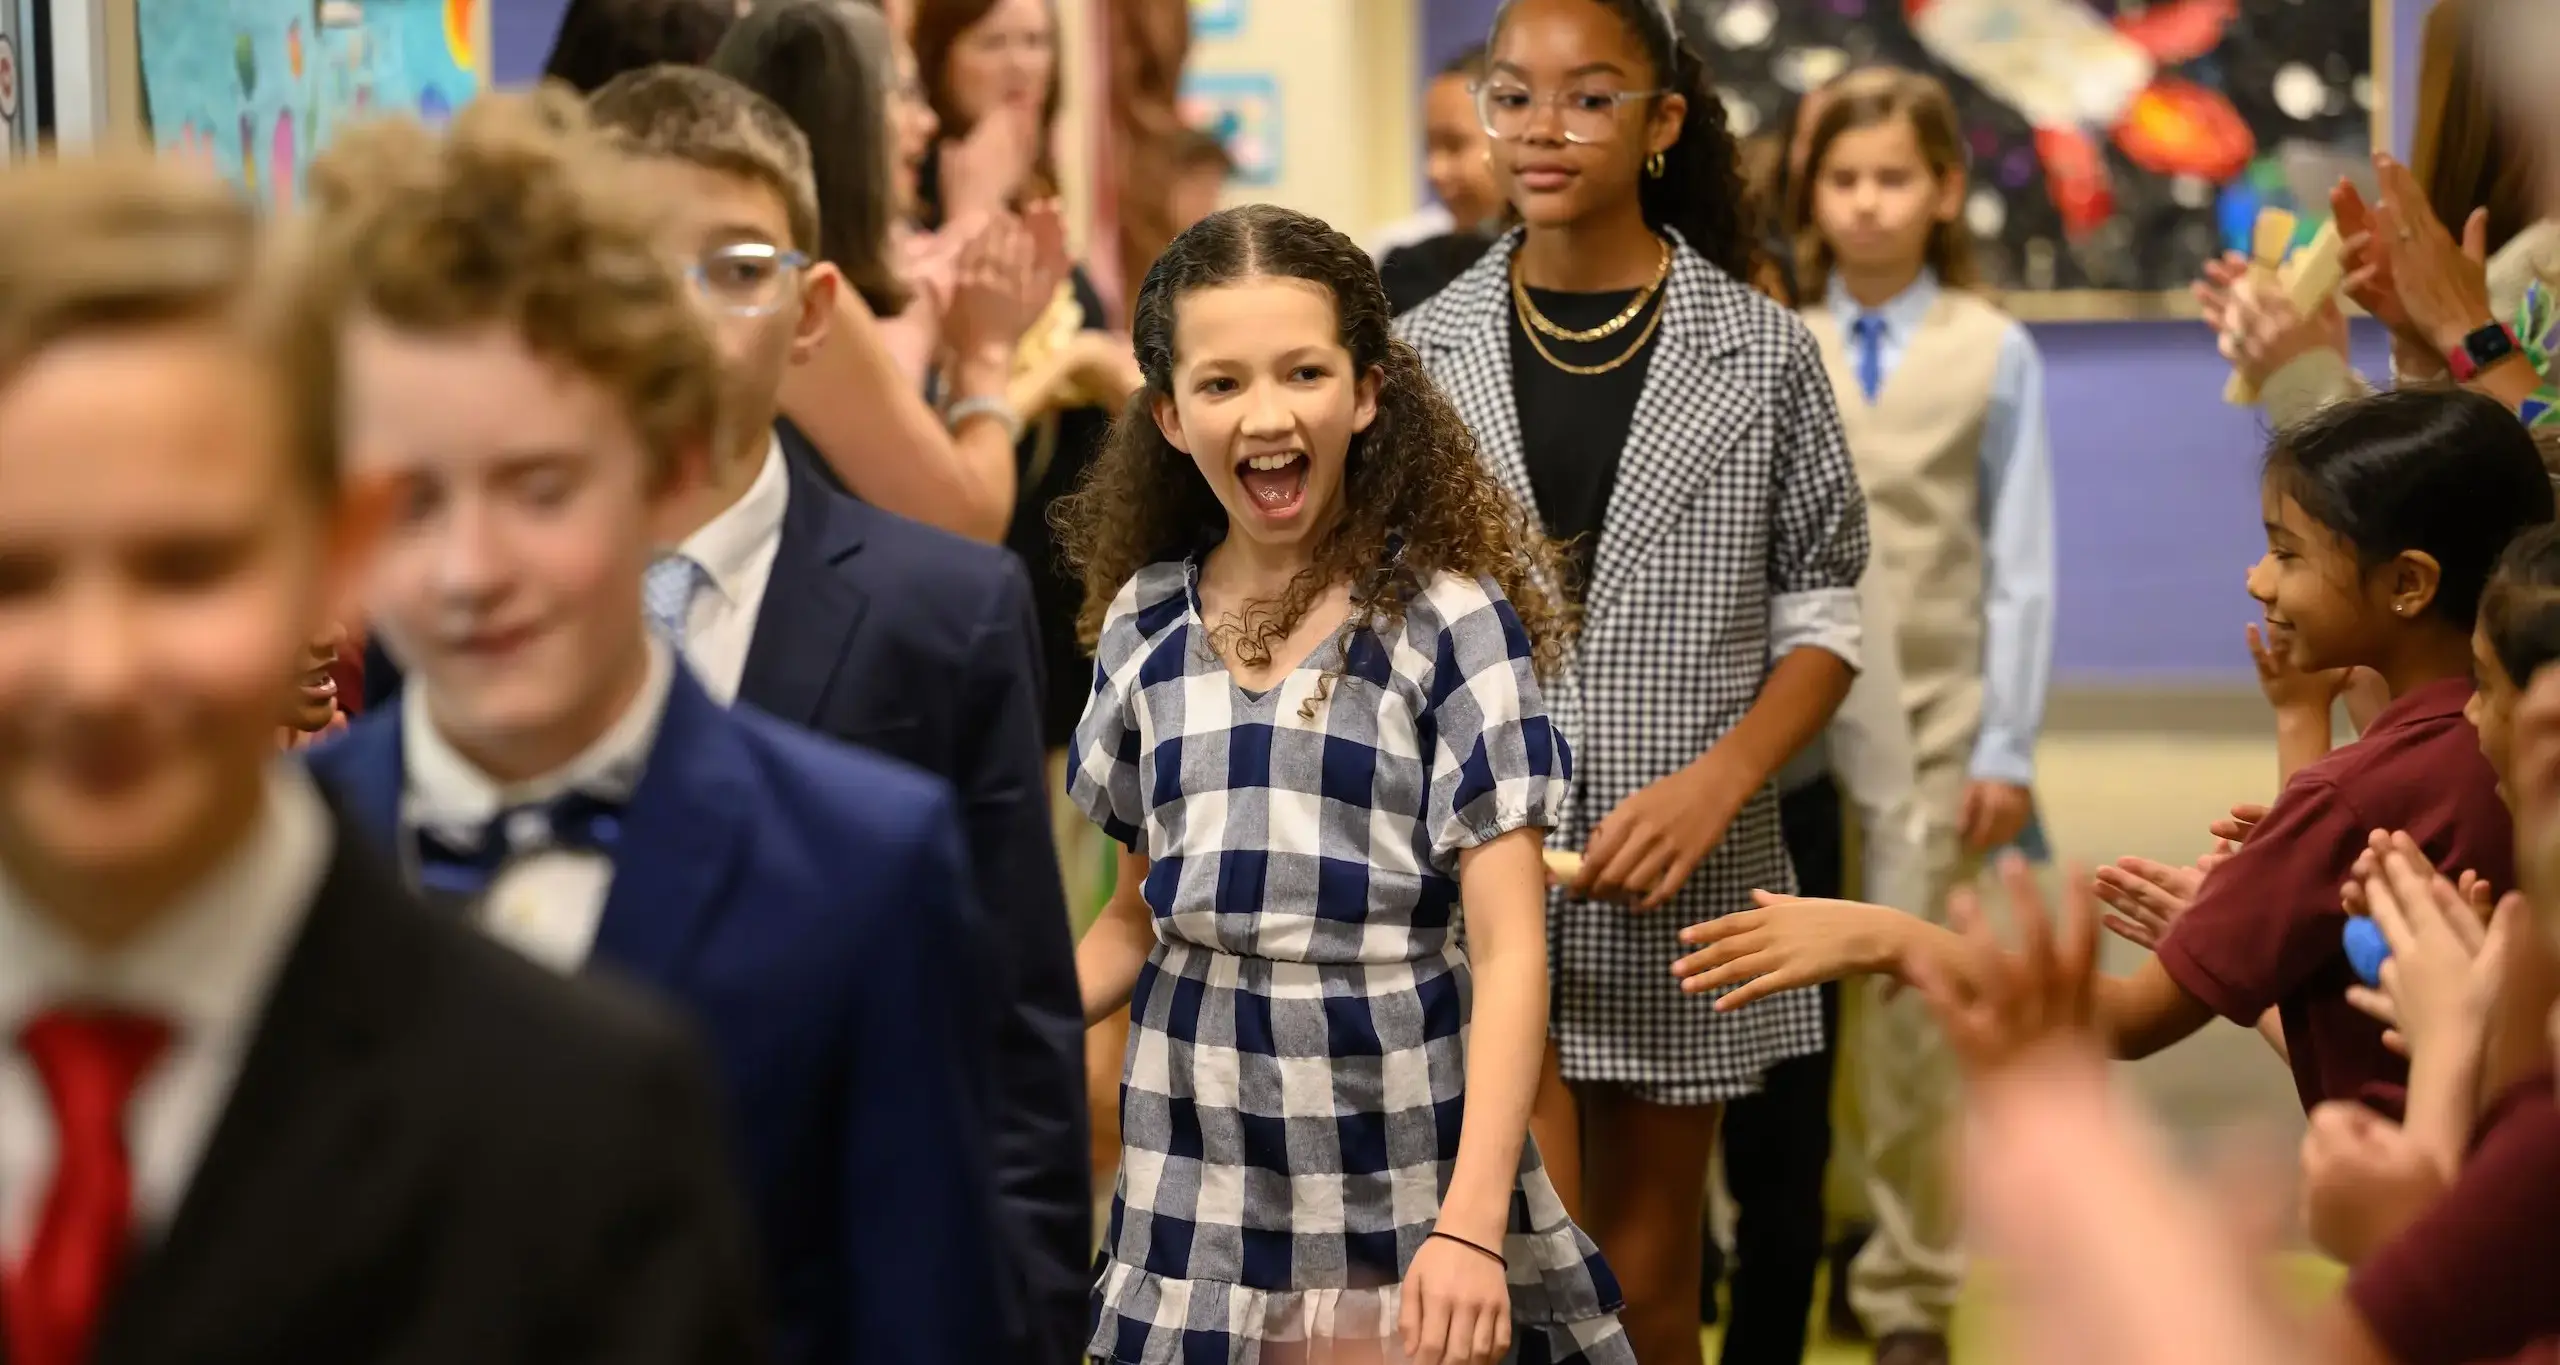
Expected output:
(2479, 351)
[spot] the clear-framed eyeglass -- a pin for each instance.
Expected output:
(746, 279)
(1585, 115)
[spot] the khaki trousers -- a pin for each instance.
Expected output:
(1907, 1093)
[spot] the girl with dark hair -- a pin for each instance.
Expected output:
(2384, 519)
(990, 73)
(602, 39)
(831, 65)
(1320, 629)
(1676, 427)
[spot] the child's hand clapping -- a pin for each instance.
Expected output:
(2007, 1002)
(2441, 979)
(2144, 898)
(2363, 1179)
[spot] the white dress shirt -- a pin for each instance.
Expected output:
(546, 904)
(204, 970)
(736, 551)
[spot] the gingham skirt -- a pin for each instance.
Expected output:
(1287, 1131)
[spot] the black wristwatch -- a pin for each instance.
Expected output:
(2480, 350)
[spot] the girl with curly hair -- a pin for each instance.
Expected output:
(1316, 727)
(1676, 427)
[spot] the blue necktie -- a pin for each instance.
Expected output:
(666, 595)
(459, 869)
(1869, 329)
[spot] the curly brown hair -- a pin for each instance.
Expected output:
(1415, 500)
(521, 215)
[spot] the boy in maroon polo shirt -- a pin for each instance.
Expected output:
(2383, 518)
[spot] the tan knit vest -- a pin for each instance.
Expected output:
(1918, 449)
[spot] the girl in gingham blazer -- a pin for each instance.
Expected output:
(1608, 355)
(1317, 726)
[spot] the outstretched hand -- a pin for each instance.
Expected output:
(2004, 1003)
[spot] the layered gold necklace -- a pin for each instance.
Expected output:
(1536, 323)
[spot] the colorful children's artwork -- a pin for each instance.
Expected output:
(1217, 18)
(1241, 110)
(2114, 147)
(258, 86)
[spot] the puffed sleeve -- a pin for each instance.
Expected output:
(1498, 762)
(1103, 755)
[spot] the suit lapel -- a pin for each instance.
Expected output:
(806, 623)
(309, 1140)
(1469, 351)
(680, 838)
(1690, 413)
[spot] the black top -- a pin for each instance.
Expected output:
(1573, 427)
(437, 1150)
(1413, 273)
(1056, 595)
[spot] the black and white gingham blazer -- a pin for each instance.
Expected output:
(1735, 500)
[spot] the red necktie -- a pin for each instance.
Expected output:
(52, 1301)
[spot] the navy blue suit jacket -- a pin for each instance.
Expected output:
(899, 637)
(805, 902)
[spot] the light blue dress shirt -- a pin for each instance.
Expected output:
(2016, 507)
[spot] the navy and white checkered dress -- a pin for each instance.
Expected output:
(1296, 1071)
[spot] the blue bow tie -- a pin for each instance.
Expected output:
(452, 870)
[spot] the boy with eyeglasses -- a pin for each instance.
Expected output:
(524, 361)
(790, 597)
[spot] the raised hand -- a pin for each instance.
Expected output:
(2442, 281)
(992, 296)
(2006, 1003)
(2363, 1179)
(2144, 898)
(982, 172)
(2443, 973)
(2260, 330)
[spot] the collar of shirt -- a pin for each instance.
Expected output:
(1902, 313)
(746, 533)
(2427, 701)
(446, 792)
(206, 966)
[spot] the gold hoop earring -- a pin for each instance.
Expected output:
(1653, 165)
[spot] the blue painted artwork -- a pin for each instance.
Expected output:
(1242, 111)
(1217, 18)
(257, 87)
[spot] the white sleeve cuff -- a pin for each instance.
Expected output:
(1823, 618)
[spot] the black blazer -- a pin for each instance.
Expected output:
(437, 1151)
(892, 635)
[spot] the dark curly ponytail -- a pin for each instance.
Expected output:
(1700, 192)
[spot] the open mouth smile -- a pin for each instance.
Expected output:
(1275, 485)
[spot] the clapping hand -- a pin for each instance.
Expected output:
(2006, 1003)
(2364, 1179)
(2442, 282)
(2260, 330)
(2143, 898)
(2441, 979)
